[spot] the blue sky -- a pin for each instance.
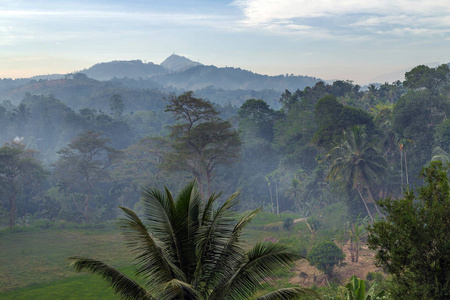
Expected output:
(347, 39)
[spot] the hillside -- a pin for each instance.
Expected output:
(182, 73)
(176, 63)
(121, 69)
(139, 82)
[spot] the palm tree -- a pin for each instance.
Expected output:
(440, 154)
(21, 116)
(189, 250)
(358, 163)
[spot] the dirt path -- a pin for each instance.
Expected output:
(308, 276)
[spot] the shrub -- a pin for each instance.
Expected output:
(325, 256)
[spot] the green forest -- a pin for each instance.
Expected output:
(326, 166)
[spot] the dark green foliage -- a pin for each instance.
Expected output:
(374, 276)
(415, 118)
(333, 118)
(82, 165)
(288, 224)
(442, 136)
(426, 77)
(413, 241)
(201, 140)
(186, 249)
(325, 256)
(117, 106)
(257, 119)
(358, 165)
(256, 126)
(20, 175)
(356, 290)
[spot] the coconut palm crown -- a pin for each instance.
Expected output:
(357, 162)
(189, 249)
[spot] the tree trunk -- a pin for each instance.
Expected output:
(352, 250)
(12, 211)
(357, 251)
(271, 198)
(86, 209)
(276, 197)
(365, 204)
(86, 203)
(401, 166)
(356, 235)
(406, 171)
(373, 200)
(208, 182)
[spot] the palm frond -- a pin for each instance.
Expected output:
(151, 257)
(208, 208)
(185, 221)
(213, 238)
(177, 289)
(262, 262)
(122, 284)
(288, 294)
(159, 211)
(230, 259)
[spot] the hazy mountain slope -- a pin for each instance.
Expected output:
(142, 83)
(88, 92)
(121, 69)
(182, 73)
(176, 63)
(201, 77)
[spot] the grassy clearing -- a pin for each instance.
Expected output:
(38, 257)
(33, 263)
(77, 287)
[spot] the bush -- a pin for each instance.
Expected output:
(288, 224)
(374, 276)
(325, 256)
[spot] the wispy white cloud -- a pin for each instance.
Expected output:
(113, 15)
(348, 17)
(65, 23)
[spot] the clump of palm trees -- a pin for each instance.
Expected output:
(188, 248)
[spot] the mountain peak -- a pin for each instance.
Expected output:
(177, 63)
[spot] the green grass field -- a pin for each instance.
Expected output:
(34, 265)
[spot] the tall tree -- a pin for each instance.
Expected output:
(416, 116)
(188, 250)
(142, 165)
(202, 141)
(117, 106)
(257, 119)
(333, 118)
(428, 78)
(83, 164)
(18, 168)
(358, 163)
(21, 117)
(413, 241)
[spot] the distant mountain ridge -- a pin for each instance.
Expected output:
(182, 73)
(176, 63)
(144, 85)
(121, 69)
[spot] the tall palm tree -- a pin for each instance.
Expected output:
(21, 117)
(358, 163)
(189, 250)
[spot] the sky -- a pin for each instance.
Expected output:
(362, 40)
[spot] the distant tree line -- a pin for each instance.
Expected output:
(325, 144)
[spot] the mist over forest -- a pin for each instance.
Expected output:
(77, 146)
